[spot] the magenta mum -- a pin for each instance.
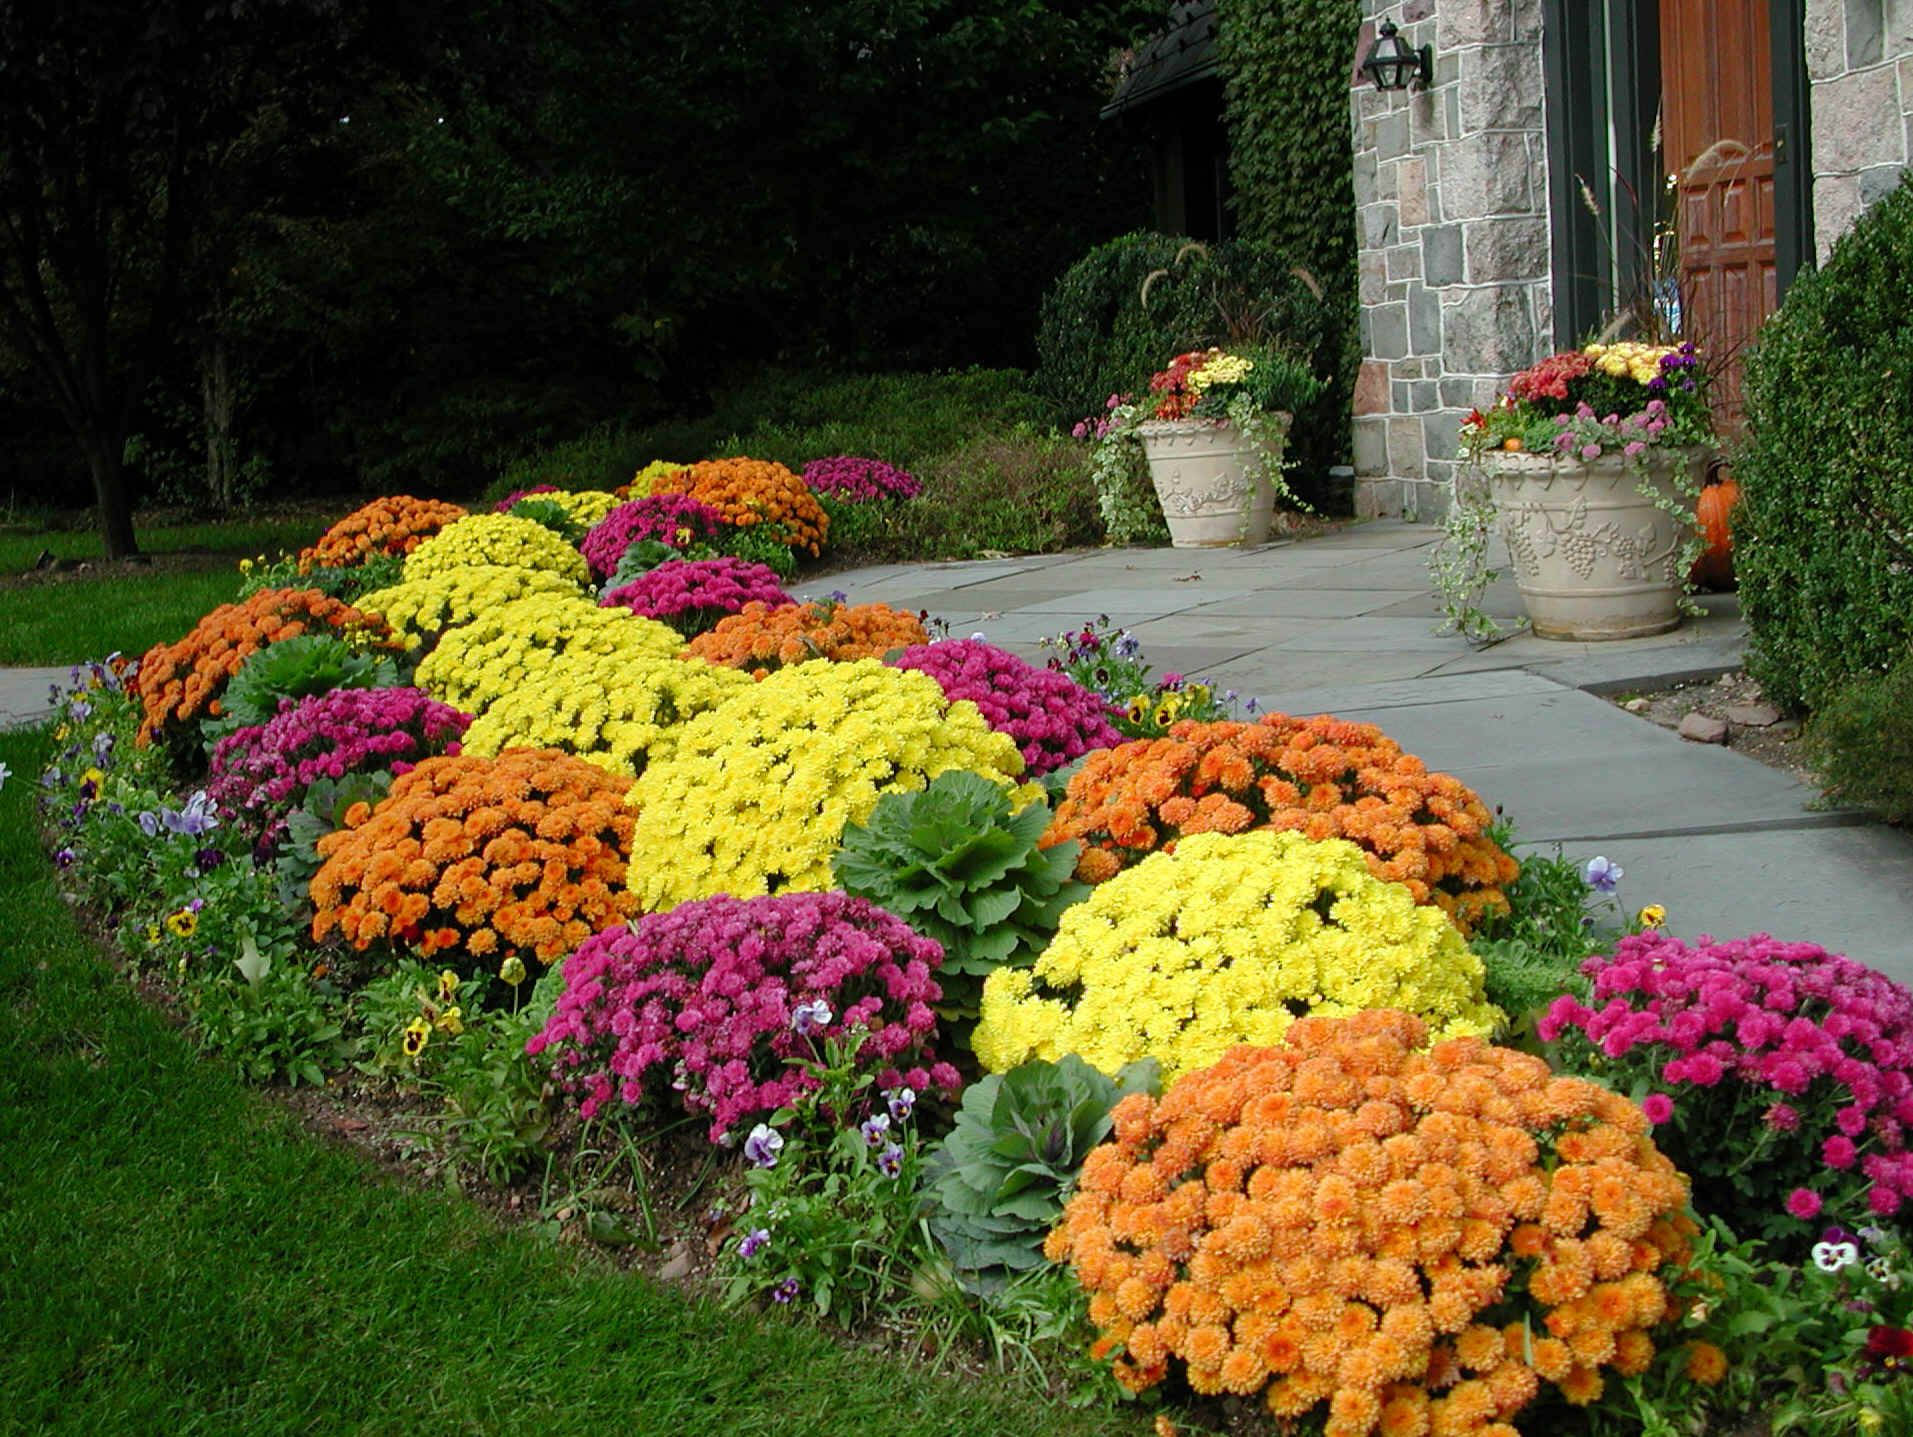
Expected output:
(1053, 719)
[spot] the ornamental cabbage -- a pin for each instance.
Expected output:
(757, 795)
(1224, 941)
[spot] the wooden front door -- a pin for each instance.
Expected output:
(1717, 139)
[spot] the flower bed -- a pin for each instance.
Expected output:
(761, 638)
(395, 525)
(1054, 720)
(748, 493)
(672, 519)
(694, 595)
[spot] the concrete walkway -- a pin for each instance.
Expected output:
(25, 696)
(1344, 624)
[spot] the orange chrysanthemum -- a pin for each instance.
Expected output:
(396, 524)
(418, 871)
(748, 492)
(760, 638)
(1361, 1271)
(181, 683)
(1324, 777)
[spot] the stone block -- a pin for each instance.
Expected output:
(1441, 433)
(1473, 22)
(1441, 255)
(1836, 204)
(1371, 387)
(1378, 498)
(1405, 455)
(1387, 180)
(1378, 226)
(1424, 501)
(1851, 131)
(1458, 393)
(1489, 330)
(1411, 192)
(1371, 277)
(1423, 395)
(1366, 188)
(1865, 23)
(1388, 331)
(1506, 249)
(1371, 445)
(1527, 19)
(1409, 368)
(1899, 28)
(1501, 87)
(1484, 175)
(1877, 184)
(1403, 262)
(1391, 135)
(1427, 119)
(1417, 10)
(1424, 320)
(1398, 396)
(1447, 69)
(1826, 36)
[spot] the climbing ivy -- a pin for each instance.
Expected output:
(1285, 70)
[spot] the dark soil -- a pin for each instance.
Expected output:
(1776, 744)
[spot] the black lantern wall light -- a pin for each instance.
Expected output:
(1393, 64)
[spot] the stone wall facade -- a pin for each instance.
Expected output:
(1451, 187)
(1860, 67)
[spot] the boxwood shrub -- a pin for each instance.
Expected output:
(1824, 529)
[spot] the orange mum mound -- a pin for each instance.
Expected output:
(1343, 1219)
(397, 524)
(180, 683)
(754, 491)
(481, 858)
(1322, 777)
(760, 638)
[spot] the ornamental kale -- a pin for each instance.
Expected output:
(291, 669)
(959, 867)
(1000, 1180)
(1053, 719)
(701, 1001)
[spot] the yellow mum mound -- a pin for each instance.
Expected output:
(419, 610)
(497, 539)
(585, 506)
(756, 797)
(1225, 941)
(510, 647)
(620, 713)
(641, 483)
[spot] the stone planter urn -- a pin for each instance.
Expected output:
(1214, 490)
(1594, 556)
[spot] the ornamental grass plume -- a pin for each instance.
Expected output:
(498, 539)
(752, 492)
(694, 595)
(618, 712)
(261, 773)
(673, 519)
(1323, 777)
(755, 798)
(761, 639)
(509, 647)
(1398, 1240)
(180, 683)
(474, 860)
(1222, 942)
(397, 524)
(863, 480)
(1053, 719)
(718, 1000)
(1788, 1069)
(419, 610)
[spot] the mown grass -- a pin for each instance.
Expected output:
(72, 619)
(177, 1255)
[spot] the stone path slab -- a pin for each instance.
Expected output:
(24, 697)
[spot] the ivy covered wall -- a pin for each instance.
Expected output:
(1285, 70)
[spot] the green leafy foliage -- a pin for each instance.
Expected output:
(380, 571)
(554, 518)
(1285, 78)
(958, 866)
(296, 668)
(1006, 493)
(1534, 952)
(645, 555)
(1861, 743)
(999, 1181)
(1824, 529)
(322, 812)
(758, 545)
(271, 1022)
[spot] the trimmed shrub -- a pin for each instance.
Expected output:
(1861, 743)
(1824, 529)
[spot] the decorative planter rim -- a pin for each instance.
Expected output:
(1200, 422)
(1529, 463)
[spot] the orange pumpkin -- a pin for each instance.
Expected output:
(1714, 512)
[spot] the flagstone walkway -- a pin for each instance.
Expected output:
(1344, 624)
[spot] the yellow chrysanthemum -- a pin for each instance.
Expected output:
(497, 539)
(505, 652)
(420, 610)
(1221, 942)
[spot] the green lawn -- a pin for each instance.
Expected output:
(178, 1256)
(74, 619)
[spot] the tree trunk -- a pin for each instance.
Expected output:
(105, 458)
(220, 403)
